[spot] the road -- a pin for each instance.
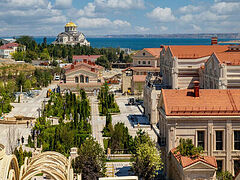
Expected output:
(125, 111)
(10, 133)
(29, 108)
(97, 122)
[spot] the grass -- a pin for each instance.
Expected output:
(110, 110)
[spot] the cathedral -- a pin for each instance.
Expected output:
(71, 36)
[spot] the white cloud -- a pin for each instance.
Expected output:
(163, 28)
(141, 29)
(62, 4)
(226, 7)
(94, 23)
(120, 4)
(88, 10)
(189, 9)
(162, 14)
(196, 28)
(186, 18)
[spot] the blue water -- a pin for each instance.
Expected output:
(138, 43)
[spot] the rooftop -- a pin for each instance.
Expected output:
(142, 68)
(186, 161)
(154, 51)
(76, 57)
(196, 51)
(70, 24)
(229, 58)
(139, 78)
(9, 46)
(211, 102)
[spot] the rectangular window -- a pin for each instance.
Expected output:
(144, 62)
(219, 140)
(200, 139)
(139, 62)
(236, 166)
(148, 62)
(219, 165)
(236, 140)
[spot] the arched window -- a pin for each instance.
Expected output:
(86, 79)
(81, 79)
(76, 80)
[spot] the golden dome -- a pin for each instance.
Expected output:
(71, 24)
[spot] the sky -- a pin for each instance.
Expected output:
(106, 17)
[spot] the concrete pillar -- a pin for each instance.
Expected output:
(228, 145)
(174, 72)
(210, 140)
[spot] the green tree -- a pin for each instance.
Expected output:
(224, 175)
(147, 161)
(44, 55)
(91, 160)
(27, 85)
(103, 61)
(186, 148)
(19, 56)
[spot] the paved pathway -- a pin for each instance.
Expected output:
(131, 110)
(29, 108)
(118, 169)
(98, 122)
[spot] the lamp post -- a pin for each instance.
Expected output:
(39, 111)
(2, 106)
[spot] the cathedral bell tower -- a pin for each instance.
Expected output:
(70, 27)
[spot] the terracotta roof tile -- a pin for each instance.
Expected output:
(195, 52)
(211, 102)
(139, 78)
(148, 69)
(88, 57)
(154, 51)
(186, 161)
(9, 46)
(229, 58)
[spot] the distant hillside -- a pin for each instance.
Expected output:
(194, 36)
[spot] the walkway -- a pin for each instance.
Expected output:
(29, 109)
(97, 122)
(131, 110)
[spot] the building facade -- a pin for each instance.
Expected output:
(71, 36)
(133, 79)
(210, 117)
(222, 70)
(83, 75)
(80, 58)
(151, 95)
(179, 65)
(144, 61)
(7, 50)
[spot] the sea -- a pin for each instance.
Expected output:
(138, 43)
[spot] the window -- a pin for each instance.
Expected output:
(236, 140)
(200, 139)
(139, 62)
(219, 140)
(76, 79)
(236, 166)
(144, 54)
(81, 79)
(87, 79)
(148, 62)
(144, 62)
(219, 165)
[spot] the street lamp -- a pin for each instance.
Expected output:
(39, 111)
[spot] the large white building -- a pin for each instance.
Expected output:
(7, 50)
(71, 36)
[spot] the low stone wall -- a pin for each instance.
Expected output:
(13, 120)
(119, 156)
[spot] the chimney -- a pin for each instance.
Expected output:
(214, 40)
(196, 88)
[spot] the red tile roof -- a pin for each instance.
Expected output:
(211, 102)
(229, 58)
(9, 46)
(186, 161)
(195, 52)
(147, 69)
(88, 57)
(139, 78)
(154, 51)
